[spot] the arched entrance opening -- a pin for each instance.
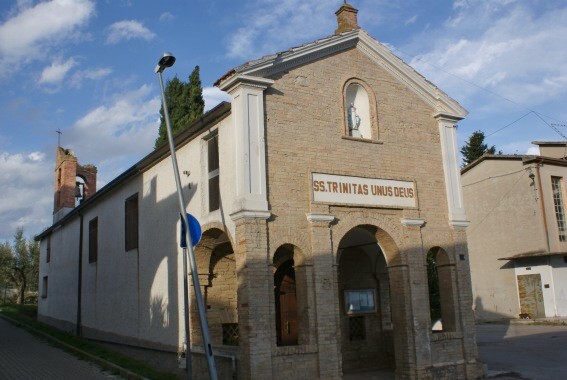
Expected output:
(364, 289)
(217, 275)
(290, 285)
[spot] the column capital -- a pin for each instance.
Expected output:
(248, 214)
(413, 222)
(321, 218)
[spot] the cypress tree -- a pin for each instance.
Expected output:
(185, 104)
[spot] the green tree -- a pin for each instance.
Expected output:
(185, 104)
(475, 147)
(19, 264)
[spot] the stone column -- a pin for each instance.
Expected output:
(326, 297)
(418, 299)
(255, 283)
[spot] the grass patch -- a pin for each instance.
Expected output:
(26, 315)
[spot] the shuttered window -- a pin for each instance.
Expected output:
(131, 222)
(48, 255)
(93, 240)
(213, 170)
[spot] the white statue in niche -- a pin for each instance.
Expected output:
(353, 121)
(357, 109)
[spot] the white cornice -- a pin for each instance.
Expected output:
(247, 214)
(254, 81)
(413, 222)
(459, 223)
(327, 218)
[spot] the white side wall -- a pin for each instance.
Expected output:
(62, 271)
(560, 284)
(133, 296)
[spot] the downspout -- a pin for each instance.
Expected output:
(540, 193)
(78, 331)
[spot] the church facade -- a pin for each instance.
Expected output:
(321, 189)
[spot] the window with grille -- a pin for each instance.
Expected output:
(356, 328)
(557, 187)
(213, 170)
(93, 240)
(48, 253)
(230, 334)
(44, 287)
(131, 222)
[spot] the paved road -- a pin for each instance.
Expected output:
(534, 352)
(23, 356)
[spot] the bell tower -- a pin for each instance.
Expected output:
(73, 183)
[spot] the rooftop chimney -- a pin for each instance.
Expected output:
(346, 18)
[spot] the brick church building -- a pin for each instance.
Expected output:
(321, 189)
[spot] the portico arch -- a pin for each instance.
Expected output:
(365, 304)
(217, 275)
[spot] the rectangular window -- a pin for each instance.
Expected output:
(230, 334)
(93, 240)
(48, 251)
(131, 222)
(213, 170)
(557, 187)
(44, 287)
(360, 301)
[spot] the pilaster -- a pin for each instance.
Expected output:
(254, 284)
(473, 366)
(448, 136)
(418, 300)
(326, 296)
(247, 94)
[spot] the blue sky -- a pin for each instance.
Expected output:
(86, 67)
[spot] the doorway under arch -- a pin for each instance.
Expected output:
(365, 313)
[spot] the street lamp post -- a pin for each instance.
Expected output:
(167, 60)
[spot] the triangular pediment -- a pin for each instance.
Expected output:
(272, 65)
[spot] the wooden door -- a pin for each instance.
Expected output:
(286, 304)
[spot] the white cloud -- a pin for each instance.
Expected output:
(55, 73)
(533, 150)
(274, 26)
(127, 30)
(81, 76)
(504, 46)
(166, 16)
(116, 134)
(32, 31)
(27, 193)
(213, 96)
(411, 20)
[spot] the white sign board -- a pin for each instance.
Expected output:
(330, 188)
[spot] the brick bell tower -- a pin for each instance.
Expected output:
(73, 182)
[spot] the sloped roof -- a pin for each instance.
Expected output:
(270, 65)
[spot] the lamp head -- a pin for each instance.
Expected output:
(167, 60)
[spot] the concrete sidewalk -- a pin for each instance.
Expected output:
(23, 356)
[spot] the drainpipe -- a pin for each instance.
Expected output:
(78, 331)
(542, 205)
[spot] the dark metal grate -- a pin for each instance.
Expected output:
(356, 328)
(230, 334)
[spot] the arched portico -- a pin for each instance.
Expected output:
(217, 275)
(367, 340)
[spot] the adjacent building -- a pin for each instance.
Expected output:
(321, 189)
(518, 233)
